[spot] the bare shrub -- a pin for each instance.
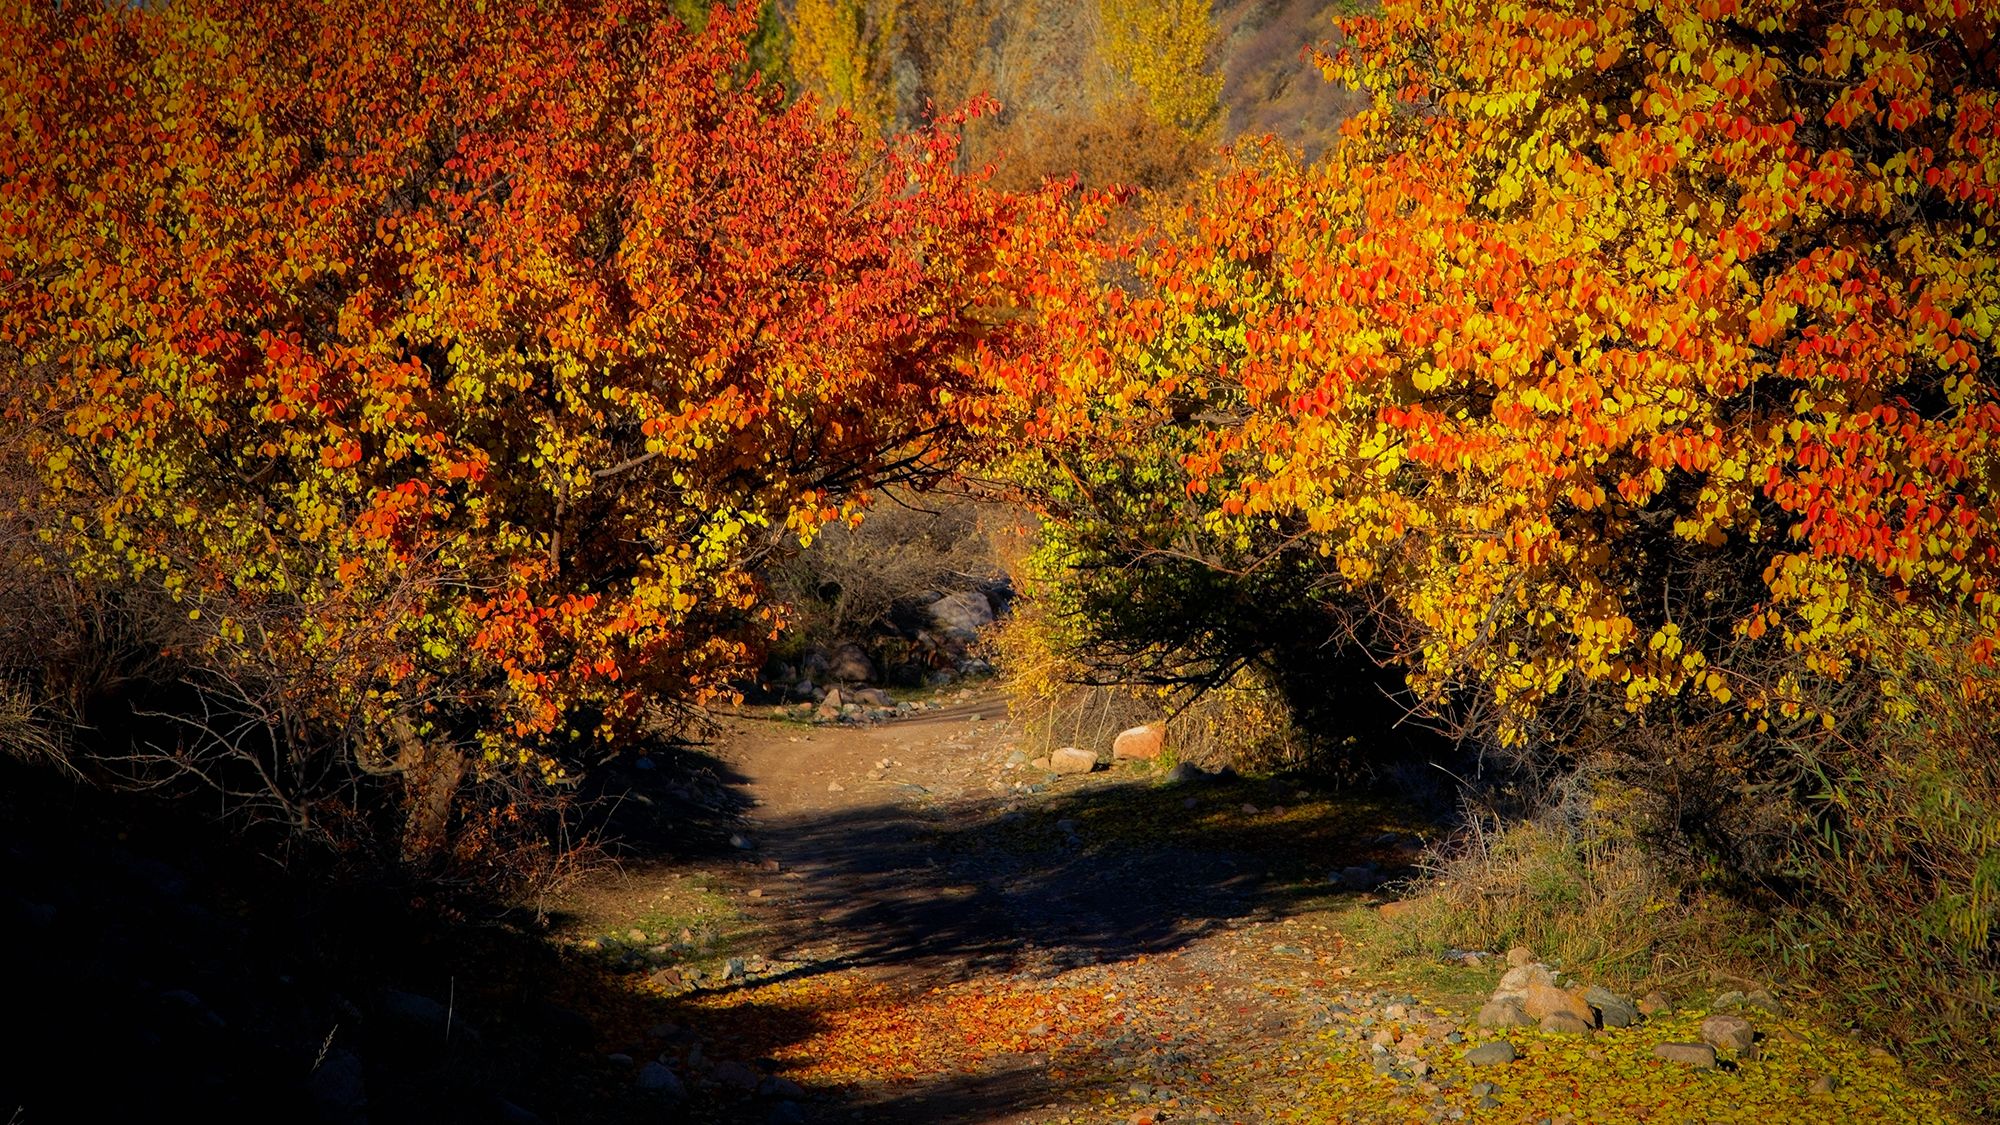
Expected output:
(849, 581)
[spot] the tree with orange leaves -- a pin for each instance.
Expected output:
(449, 368)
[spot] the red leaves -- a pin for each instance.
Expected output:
(477, 352)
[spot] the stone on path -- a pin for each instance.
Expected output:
(1184, 773)
(1071, 760)
(1728, 1031)
(1504, 1012)
(1520, 957)
(1139, 743)
(1701, 1056)
(1654, 1003)
(1497, 1053)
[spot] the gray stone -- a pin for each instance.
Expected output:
(1497, 1053)
(1824, 1084)
(1613, 1010)
(337, 1089)
(1762, 999)
(1481, 1089)
(736, 1076)
(1185, 773)
(1701, 1056)
(1358, 878)
(1520, 956)
(962, 615)
(1728, 1031)
(778, 1086)
(654, 1076)
(1727, 1001)
(787, 1113)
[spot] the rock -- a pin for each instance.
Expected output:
(736, 1076)
(413, 1015)
(1401, 908)
(1520, 957)
(1504, 1012)
(778, 1086)
(1185, 773)
(1514, 983)
(507, 1113)
(656, 1077)
(1701, 1056)
(1567, 1023)
(1042, 764)
(1359, 878)
(1655, 1003)
(1497, 1053)
(1545, 1000)
(1613, 1010)
(741, 842)
(618, 1058)
(961, 615)
(337, 1089)
(786, 1113)
(1823, 1085)
(850, 664)
(1139, 743)
(1482, 1089)
(1071, 760)
(869, 697)
(1727, 1001)
(1728, 1031)
(831, 706)
(1763, 1000)
(835, 787)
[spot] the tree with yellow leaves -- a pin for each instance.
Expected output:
(843, 50)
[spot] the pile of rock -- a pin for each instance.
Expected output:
(1531, 994)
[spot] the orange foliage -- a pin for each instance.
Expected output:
(1597, 316)
(454, 364)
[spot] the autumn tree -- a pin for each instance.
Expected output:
(1633, 363)
(448, 380)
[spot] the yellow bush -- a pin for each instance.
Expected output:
(842, 51)
(1162, 46)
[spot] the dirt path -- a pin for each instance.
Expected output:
(917, 925)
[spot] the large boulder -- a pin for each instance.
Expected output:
(1140, 743)
(962, 615)
(850, 664)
